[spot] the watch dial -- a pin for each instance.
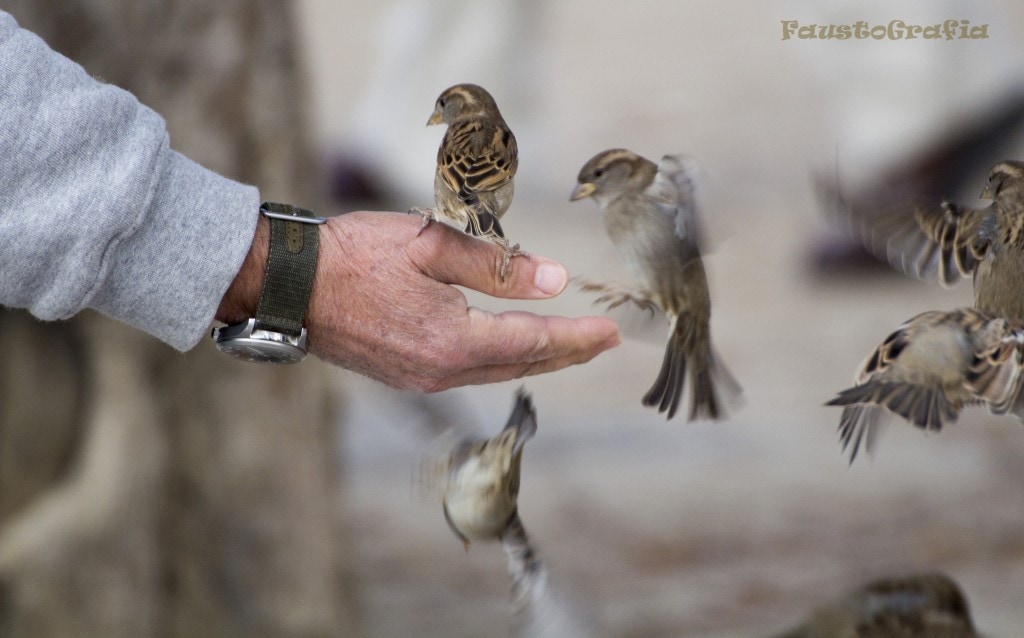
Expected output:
(263, 352)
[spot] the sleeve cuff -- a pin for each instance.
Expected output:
(169, 276)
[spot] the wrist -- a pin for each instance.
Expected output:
(332, 281)
(275, 279)
(243, 295)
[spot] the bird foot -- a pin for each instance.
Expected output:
(615, 295)
(427, 214)
(510, 252)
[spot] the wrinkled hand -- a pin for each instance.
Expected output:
(382, 305)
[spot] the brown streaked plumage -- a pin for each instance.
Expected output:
(950, 241)
(930, 368)
(918, 606)
(482, 478)
(650, 214)
(476, 166)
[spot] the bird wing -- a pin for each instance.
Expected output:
(860, 423)
(674, 190)
(926, 407)
(958, 238)
(523, 419)
(520, 428)
(995, 375)
(453, 527)
(477, 156)
(925, 240)
(884, 357)
(462, 451)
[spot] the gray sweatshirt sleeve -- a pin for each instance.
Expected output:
(96, 210)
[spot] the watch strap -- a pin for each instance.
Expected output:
(291, 264)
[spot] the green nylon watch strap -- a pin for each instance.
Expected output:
(291, 264)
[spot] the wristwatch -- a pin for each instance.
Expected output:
(276, 333)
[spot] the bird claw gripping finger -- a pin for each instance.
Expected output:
(510, 252)
(426, 213)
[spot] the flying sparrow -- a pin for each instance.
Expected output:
(650, 214)
(952, 241)
(482, 478)
(918, 606)
(476, 166)
(932, 366)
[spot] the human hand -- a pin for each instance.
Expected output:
(382, 305)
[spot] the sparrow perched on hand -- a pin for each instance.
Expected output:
(482, 478)
(920, 606)
(650, 214)
(932, 366)
(953, 241)
(476, 166)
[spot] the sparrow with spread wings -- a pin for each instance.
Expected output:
(949, 241)
(930, 368)
(650, 214)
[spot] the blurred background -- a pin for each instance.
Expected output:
(277, 523)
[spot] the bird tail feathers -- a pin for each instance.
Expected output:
(689, 353)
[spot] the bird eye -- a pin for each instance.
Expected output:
(598, 173)
(441, 102)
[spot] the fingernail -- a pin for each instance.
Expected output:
(550, 278)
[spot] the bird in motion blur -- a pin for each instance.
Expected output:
(476, 167)
(917, 606)
(481, 487)
(952, 241)
(930, 368)
(650, 214)
(480, 495)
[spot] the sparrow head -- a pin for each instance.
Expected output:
(463, 100)
(1003, 174)
(611, 173)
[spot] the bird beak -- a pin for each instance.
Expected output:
(987, 193)
(435, 118)
(585, 189)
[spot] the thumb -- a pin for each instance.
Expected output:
(453, 257)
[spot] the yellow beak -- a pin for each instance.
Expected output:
(586, 189)
(987, 193)
(435, 118)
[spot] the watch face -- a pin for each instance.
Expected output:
(258, 351)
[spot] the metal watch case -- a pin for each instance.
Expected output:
(244, 341)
